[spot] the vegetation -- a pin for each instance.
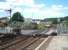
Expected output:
(16, 22)
(66, 18)
(55, 22)
(66, 23)
(41, 26)
(17, 19)
(30, 25)
(50, 19)
(34, 26)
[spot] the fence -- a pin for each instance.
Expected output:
(62, 28)
(5, 29)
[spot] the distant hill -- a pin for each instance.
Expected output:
(66, 18)
(53, 19)
(49, 19)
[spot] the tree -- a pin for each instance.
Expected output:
(17, 17)
(16, 22)
(66, 18)
(54, 21)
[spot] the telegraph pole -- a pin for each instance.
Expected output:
(10, 11)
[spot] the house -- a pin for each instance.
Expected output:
(46, 22)
(27, 20)
(36, 21)
(3, 21)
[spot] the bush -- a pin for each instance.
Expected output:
(41, 26)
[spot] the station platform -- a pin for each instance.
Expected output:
(58, 43)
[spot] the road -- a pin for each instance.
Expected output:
(33, 32)
(28, 32)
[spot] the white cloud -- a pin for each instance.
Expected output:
(20, 2)
(4, 5)
(57, 7)
(53, 11)
(32, 9)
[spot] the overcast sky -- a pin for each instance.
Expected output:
(37, 9)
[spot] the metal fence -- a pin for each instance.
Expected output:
(62, 28)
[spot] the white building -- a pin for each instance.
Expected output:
(4, 19)
(36, 21)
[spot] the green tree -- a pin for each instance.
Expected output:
(66, 18)
(54, 21)
(16, 22)
(17, 17)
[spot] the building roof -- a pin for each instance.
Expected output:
(3, 18)
(2, 24)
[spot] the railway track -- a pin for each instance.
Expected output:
(33, 45)
(7, 39)
(21, 43)
(6, 45)
(13, 42)
(27, 44)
